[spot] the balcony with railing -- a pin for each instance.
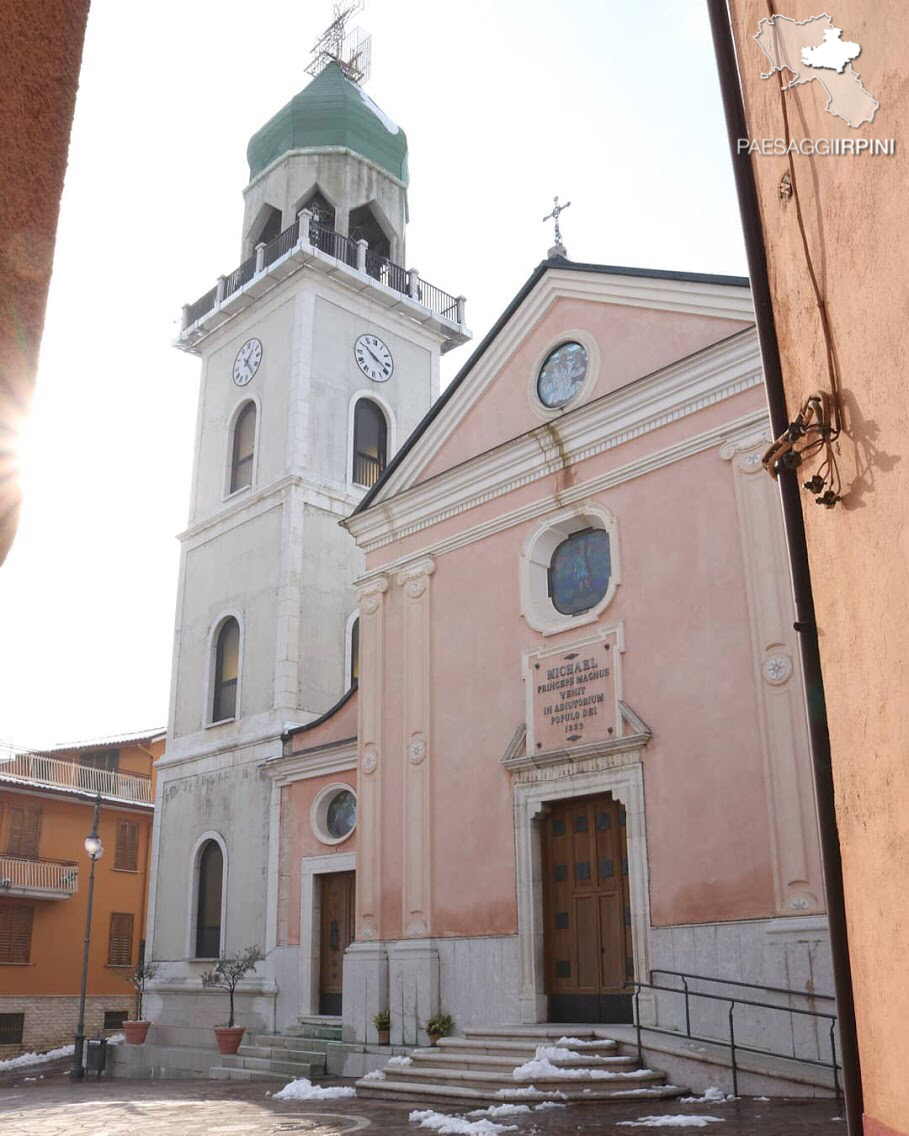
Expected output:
(37, 769)
(306, 243)
(38, 879)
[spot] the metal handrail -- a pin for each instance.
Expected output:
(38, 875)
(686, 974)
(734, 1046)
(38, 768)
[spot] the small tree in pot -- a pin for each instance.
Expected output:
(439, 1025)
(136, 1031)
(382, 1022)
(226, 975)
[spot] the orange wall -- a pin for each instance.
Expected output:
(856, 216)
(58, 925)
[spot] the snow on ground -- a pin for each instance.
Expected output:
(496, 1110)
(26, 1059)
(563, 1053)
(577, 1043)
(528, 1093)
(304, 1089)
(711, 1096)
(542, 1066)
(375, 1075)
(400, 1061)
(547, 1104)
(457, 1125)
(672, 1121)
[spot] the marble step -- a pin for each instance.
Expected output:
(287, 1069)
(304, 1056)
(466, 1059)
(502, 1079)
(524, 1049)
(463, 1093)
(228, 1073)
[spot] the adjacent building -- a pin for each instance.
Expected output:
(47, 801)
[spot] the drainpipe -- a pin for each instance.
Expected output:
(819, 739)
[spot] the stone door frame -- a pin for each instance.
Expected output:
(310, 922)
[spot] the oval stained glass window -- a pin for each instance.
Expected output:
(579, 571)
(562, 375)
(342, 814)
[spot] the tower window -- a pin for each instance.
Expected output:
(243, 448)
(370, 443)
(364, 226)
(208, 904)
(227, 672)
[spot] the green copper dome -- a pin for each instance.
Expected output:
(331, 111)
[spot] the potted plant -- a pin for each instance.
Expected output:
(226, 975)
(439, 1025)
(136, 1031)
(382, 1022)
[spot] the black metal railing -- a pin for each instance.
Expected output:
(366, 470)
(341, 248)
(736, 1047)
(201, 307)
(240, 276)
(281, 245)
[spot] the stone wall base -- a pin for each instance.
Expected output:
(50, 1021)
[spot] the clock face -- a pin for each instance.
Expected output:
(373, 358)
(247, 362)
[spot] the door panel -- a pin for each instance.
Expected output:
(336, 934)
(587, 918)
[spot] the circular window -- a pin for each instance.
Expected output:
(342, 815)
(562, 375)
(579, 571)
(334, 813)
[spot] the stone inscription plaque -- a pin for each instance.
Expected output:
(573, 699)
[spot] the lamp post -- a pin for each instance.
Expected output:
(95, 850)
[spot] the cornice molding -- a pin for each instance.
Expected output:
(713, 375)
(311, 763)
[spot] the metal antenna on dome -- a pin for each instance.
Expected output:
(351, 50)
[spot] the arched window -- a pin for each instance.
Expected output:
(355, 651)
(227, 672)
(208, 903)
(243, 448)
(370, 443)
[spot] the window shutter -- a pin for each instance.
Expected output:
(15, 933)
(127, 854)
(24, 832)
(120, 943)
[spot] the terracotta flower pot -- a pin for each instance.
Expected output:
(383, 1036)
(229, 1038)
(434, 1038)
(136, 1032)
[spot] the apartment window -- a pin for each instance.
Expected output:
(114, 1019)
(370, 443)
(11, 1027)
(120, 942)
(227, 671)
(126, 856)
(208, 909)
(15, 933)
(24, 832)
(243, 449)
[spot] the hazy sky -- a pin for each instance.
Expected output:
(613, 106)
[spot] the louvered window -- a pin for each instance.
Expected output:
(120, 943)
(24, 832)
(15, 932)
(126, 858)
(11, 1027)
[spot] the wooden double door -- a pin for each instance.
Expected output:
(335, 936)
(587, 915)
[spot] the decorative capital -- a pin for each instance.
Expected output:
(415, 579)
(416, 929)
(742, 445)
(369, 594)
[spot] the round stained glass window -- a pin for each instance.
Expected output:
(341, 815)
(562, 375)
(579, 571)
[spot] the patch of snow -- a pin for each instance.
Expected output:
(711, 1096)
(496, 1110)
(29, 1078)
(400, 1061)
(672, 1121)
(547, 1104)
(375, 1075)
(116, 1039)
(563, 1053)
(762, 1098)
(391, 127)
(457, 1125)
(541, 1066)
(304, 1089)
(529, 1093)
(26, 1059)
(577, 1043)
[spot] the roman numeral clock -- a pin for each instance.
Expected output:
(374, 359)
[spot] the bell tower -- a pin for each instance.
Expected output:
(319, 355)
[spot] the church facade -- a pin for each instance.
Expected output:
(485, 703)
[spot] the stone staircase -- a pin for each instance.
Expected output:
(282, 1057)
(479, 1068)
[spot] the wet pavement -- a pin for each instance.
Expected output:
(56, 1107)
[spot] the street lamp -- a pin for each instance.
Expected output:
(95, 850)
